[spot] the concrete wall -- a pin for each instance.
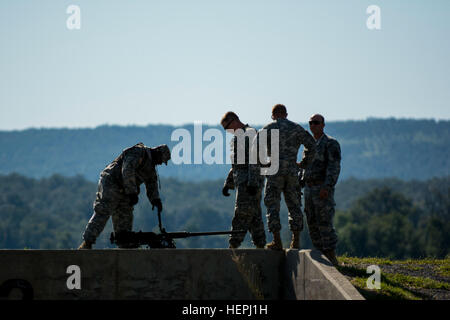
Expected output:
(309, 275)
(210, 274)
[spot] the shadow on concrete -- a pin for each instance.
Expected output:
(319, 257)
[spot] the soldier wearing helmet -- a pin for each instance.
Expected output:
(118, 189)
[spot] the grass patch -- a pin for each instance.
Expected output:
(431, 261)
(384, 261)
(444, 269)
(414, 268)
(415, 282)
(391, 288)
(375, 260)
(396, 285)
(387, 291)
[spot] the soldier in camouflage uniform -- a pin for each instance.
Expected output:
(118, 189)
(319, 179)
(245, 178)
(291, 136)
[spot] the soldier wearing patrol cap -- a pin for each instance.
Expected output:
(118, 189)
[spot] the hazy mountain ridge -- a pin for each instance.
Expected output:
(374, 148)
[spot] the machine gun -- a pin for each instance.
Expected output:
(131, 239)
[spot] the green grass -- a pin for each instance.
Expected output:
(444, 270)
(395, 285)
(414, 268)
(385, 261)
(353, 260)
(387, 291)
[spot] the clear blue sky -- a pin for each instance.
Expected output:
(175, 62)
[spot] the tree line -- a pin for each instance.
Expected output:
(377, 217)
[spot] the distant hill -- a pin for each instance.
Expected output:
(374, 148)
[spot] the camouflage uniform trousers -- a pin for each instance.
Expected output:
(319, 214)
(110, 201)
(248, 217)
(289, 185)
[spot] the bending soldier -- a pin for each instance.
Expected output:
(118, 189)
(246, 179)
(320, 178)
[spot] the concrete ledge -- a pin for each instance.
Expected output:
(311, 276)
(147, 274)
(207, 274)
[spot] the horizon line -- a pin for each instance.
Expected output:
(208, 124)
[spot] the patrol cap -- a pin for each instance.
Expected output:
(164, 150)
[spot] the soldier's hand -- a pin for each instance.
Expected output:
(323, 193)
(252, 190)
(225, 191)
(158, 204)
(134, 198)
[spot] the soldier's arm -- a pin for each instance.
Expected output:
(310, 147)
(254, 169)
(229, 182)
(131, 161)
(151, 186)
(334, 163)
(302, 162)
(262, 145)
(267, 145)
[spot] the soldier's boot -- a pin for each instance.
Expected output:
(331, 255)
(295, 242)
(276, 244)
(85, 245)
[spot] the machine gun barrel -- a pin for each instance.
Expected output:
(185, 234)
(130, 239)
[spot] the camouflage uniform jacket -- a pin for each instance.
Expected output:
(291, 136)
(243, 173)
(132, 168)
(326, 165)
